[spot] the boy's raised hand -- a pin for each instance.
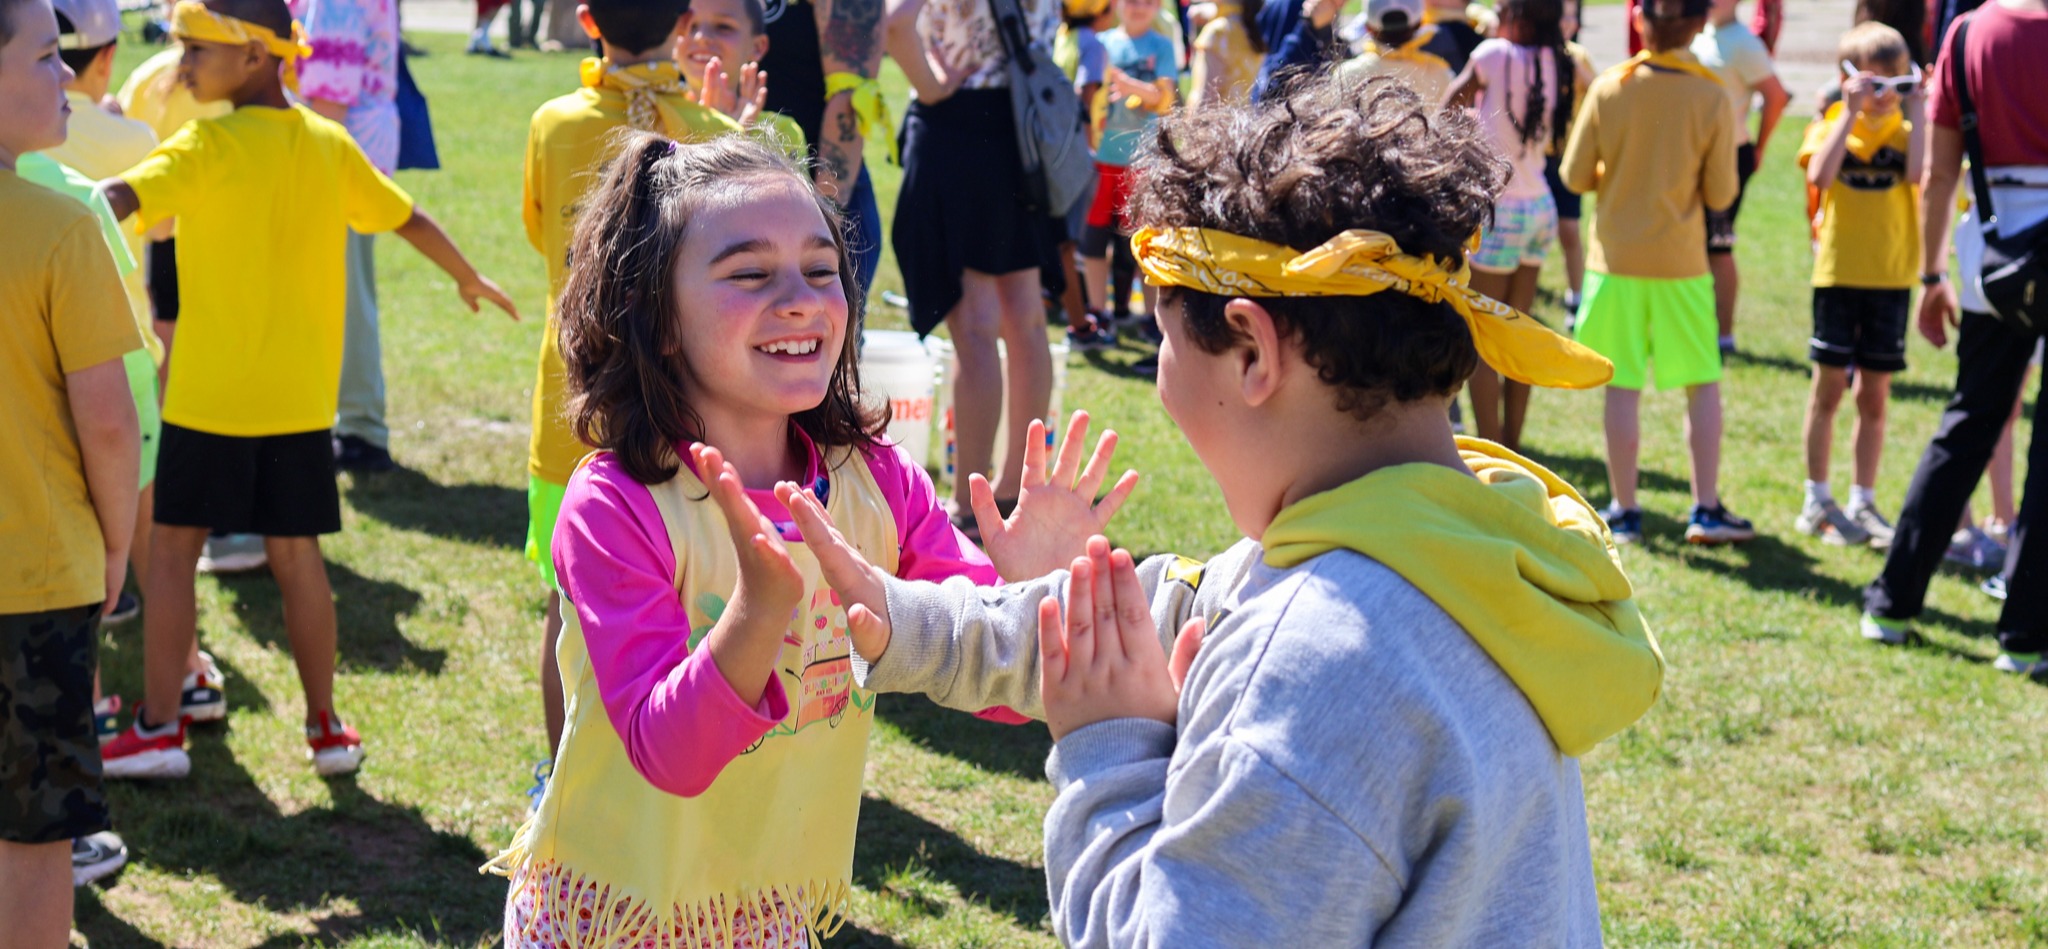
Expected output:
(1056, 510)
(1104, 661)
(753, 94)
(858, 582)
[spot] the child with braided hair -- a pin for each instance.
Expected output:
(1522, 85)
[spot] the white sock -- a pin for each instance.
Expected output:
(1817, 492)
(1571, 299)
(1860, 496)
(156, 732)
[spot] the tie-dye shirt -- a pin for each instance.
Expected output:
(355, 62)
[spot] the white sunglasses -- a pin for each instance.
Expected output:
(1903, 85)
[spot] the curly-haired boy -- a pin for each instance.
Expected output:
(1374, 740)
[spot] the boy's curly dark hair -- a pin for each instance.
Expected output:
(621, 322)
(1332, 154)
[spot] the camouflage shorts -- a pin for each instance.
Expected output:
(49, 755)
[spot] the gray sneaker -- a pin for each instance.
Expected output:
(1973, 549)
(233, 553)
(95, 856)
(1877, 530)
(1825, 520)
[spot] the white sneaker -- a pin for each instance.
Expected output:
(233, 553)
(1825, 520)
(204, 696)
(94, 856)
(1877, 531)
(2022, 663)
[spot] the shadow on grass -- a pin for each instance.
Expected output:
(1585, 473)
(852, 936)
(1901, 388)
(392, 872)
(891, 839)
(1101, 360)
(1011, 749)
(366, 609)
(489, 514)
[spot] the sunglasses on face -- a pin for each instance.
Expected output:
(1901, 85)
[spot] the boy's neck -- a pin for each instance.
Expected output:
(1308, 453)
(1135, 30)
(264, 92)
(619, 57)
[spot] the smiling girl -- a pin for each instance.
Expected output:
(707, 783)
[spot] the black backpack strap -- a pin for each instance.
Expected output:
(1973, 146)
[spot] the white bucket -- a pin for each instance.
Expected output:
(895, 366)
(942, 407)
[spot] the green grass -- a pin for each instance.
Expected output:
(1794, 787)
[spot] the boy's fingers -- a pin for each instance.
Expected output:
(1052, 654)
(1098, 465)
(1102, 593)
(869, 630)
(1080, 632)
(1070, 450)
(1185, 646)
(1132, 612)
(1114, 501)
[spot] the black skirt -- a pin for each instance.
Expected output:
(963, 204)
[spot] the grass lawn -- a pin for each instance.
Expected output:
(1795, 786)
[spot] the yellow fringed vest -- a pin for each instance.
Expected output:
(777, 826)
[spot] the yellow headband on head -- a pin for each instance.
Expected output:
(1360, 263)
(191, 20)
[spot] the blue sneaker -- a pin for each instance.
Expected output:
(1717, 525)
(1625, 524)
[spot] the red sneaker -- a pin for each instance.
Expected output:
(334, 747)
(135, 755)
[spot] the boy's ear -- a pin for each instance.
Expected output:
(760, 47)
(1258, 355)
(589, 25)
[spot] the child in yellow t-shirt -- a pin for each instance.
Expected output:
(264, 197)
(1864, 158)
(67, 476)
(731, 35)
(1656, 140)
(635, 84)
(153, 95)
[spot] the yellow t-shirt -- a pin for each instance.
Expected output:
(1658, 145)
(566, 145)
(100, 145)
(1867, 232)
(264, 200)
(1426, 73)
(1225, 36)
(782, 132)
(154, 96)
(65, 313)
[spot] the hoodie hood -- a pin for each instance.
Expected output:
(1520, 560)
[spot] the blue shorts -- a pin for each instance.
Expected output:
(1520, 236)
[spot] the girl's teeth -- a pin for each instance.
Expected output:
(793, 348)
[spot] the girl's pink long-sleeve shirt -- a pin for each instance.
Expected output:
(680, 720)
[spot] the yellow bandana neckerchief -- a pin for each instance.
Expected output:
(1673, 60)
(1360, 263)
(191, 20)
(1412, 51)
(643, 85)
(1865, 135)
(868, 106)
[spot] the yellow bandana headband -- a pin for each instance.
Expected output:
(1360, 263)
(191, 20)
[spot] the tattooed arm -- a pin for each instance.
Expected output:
(850, 40)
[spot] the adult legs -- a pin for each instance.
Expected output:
(975, 324)
(1515, 395)
(864, 229)
(35, 895)
(1991, 362)
(1485, 383)
(361, 409)
(2023, 623)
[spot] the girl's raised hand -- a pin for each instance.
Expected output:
(1057, 510)
(748, 637)
(858, 582)
(1104, 661)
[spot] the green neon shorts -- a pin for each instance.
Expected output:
(543, 505)
(1641, 322)
(142, 385)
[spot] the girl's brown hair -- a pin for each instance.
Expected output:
(629, 393)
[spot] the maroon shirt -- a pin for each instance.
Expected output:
(2008, 78)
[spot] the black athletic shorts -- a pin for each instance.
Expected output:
(49, 753)
(1721, 224)
(1853, 326)
(162, 279)
(273, 485)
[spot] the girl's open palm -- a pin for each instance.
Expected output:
(1057, 510)
(747, 638)
(858, 582)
